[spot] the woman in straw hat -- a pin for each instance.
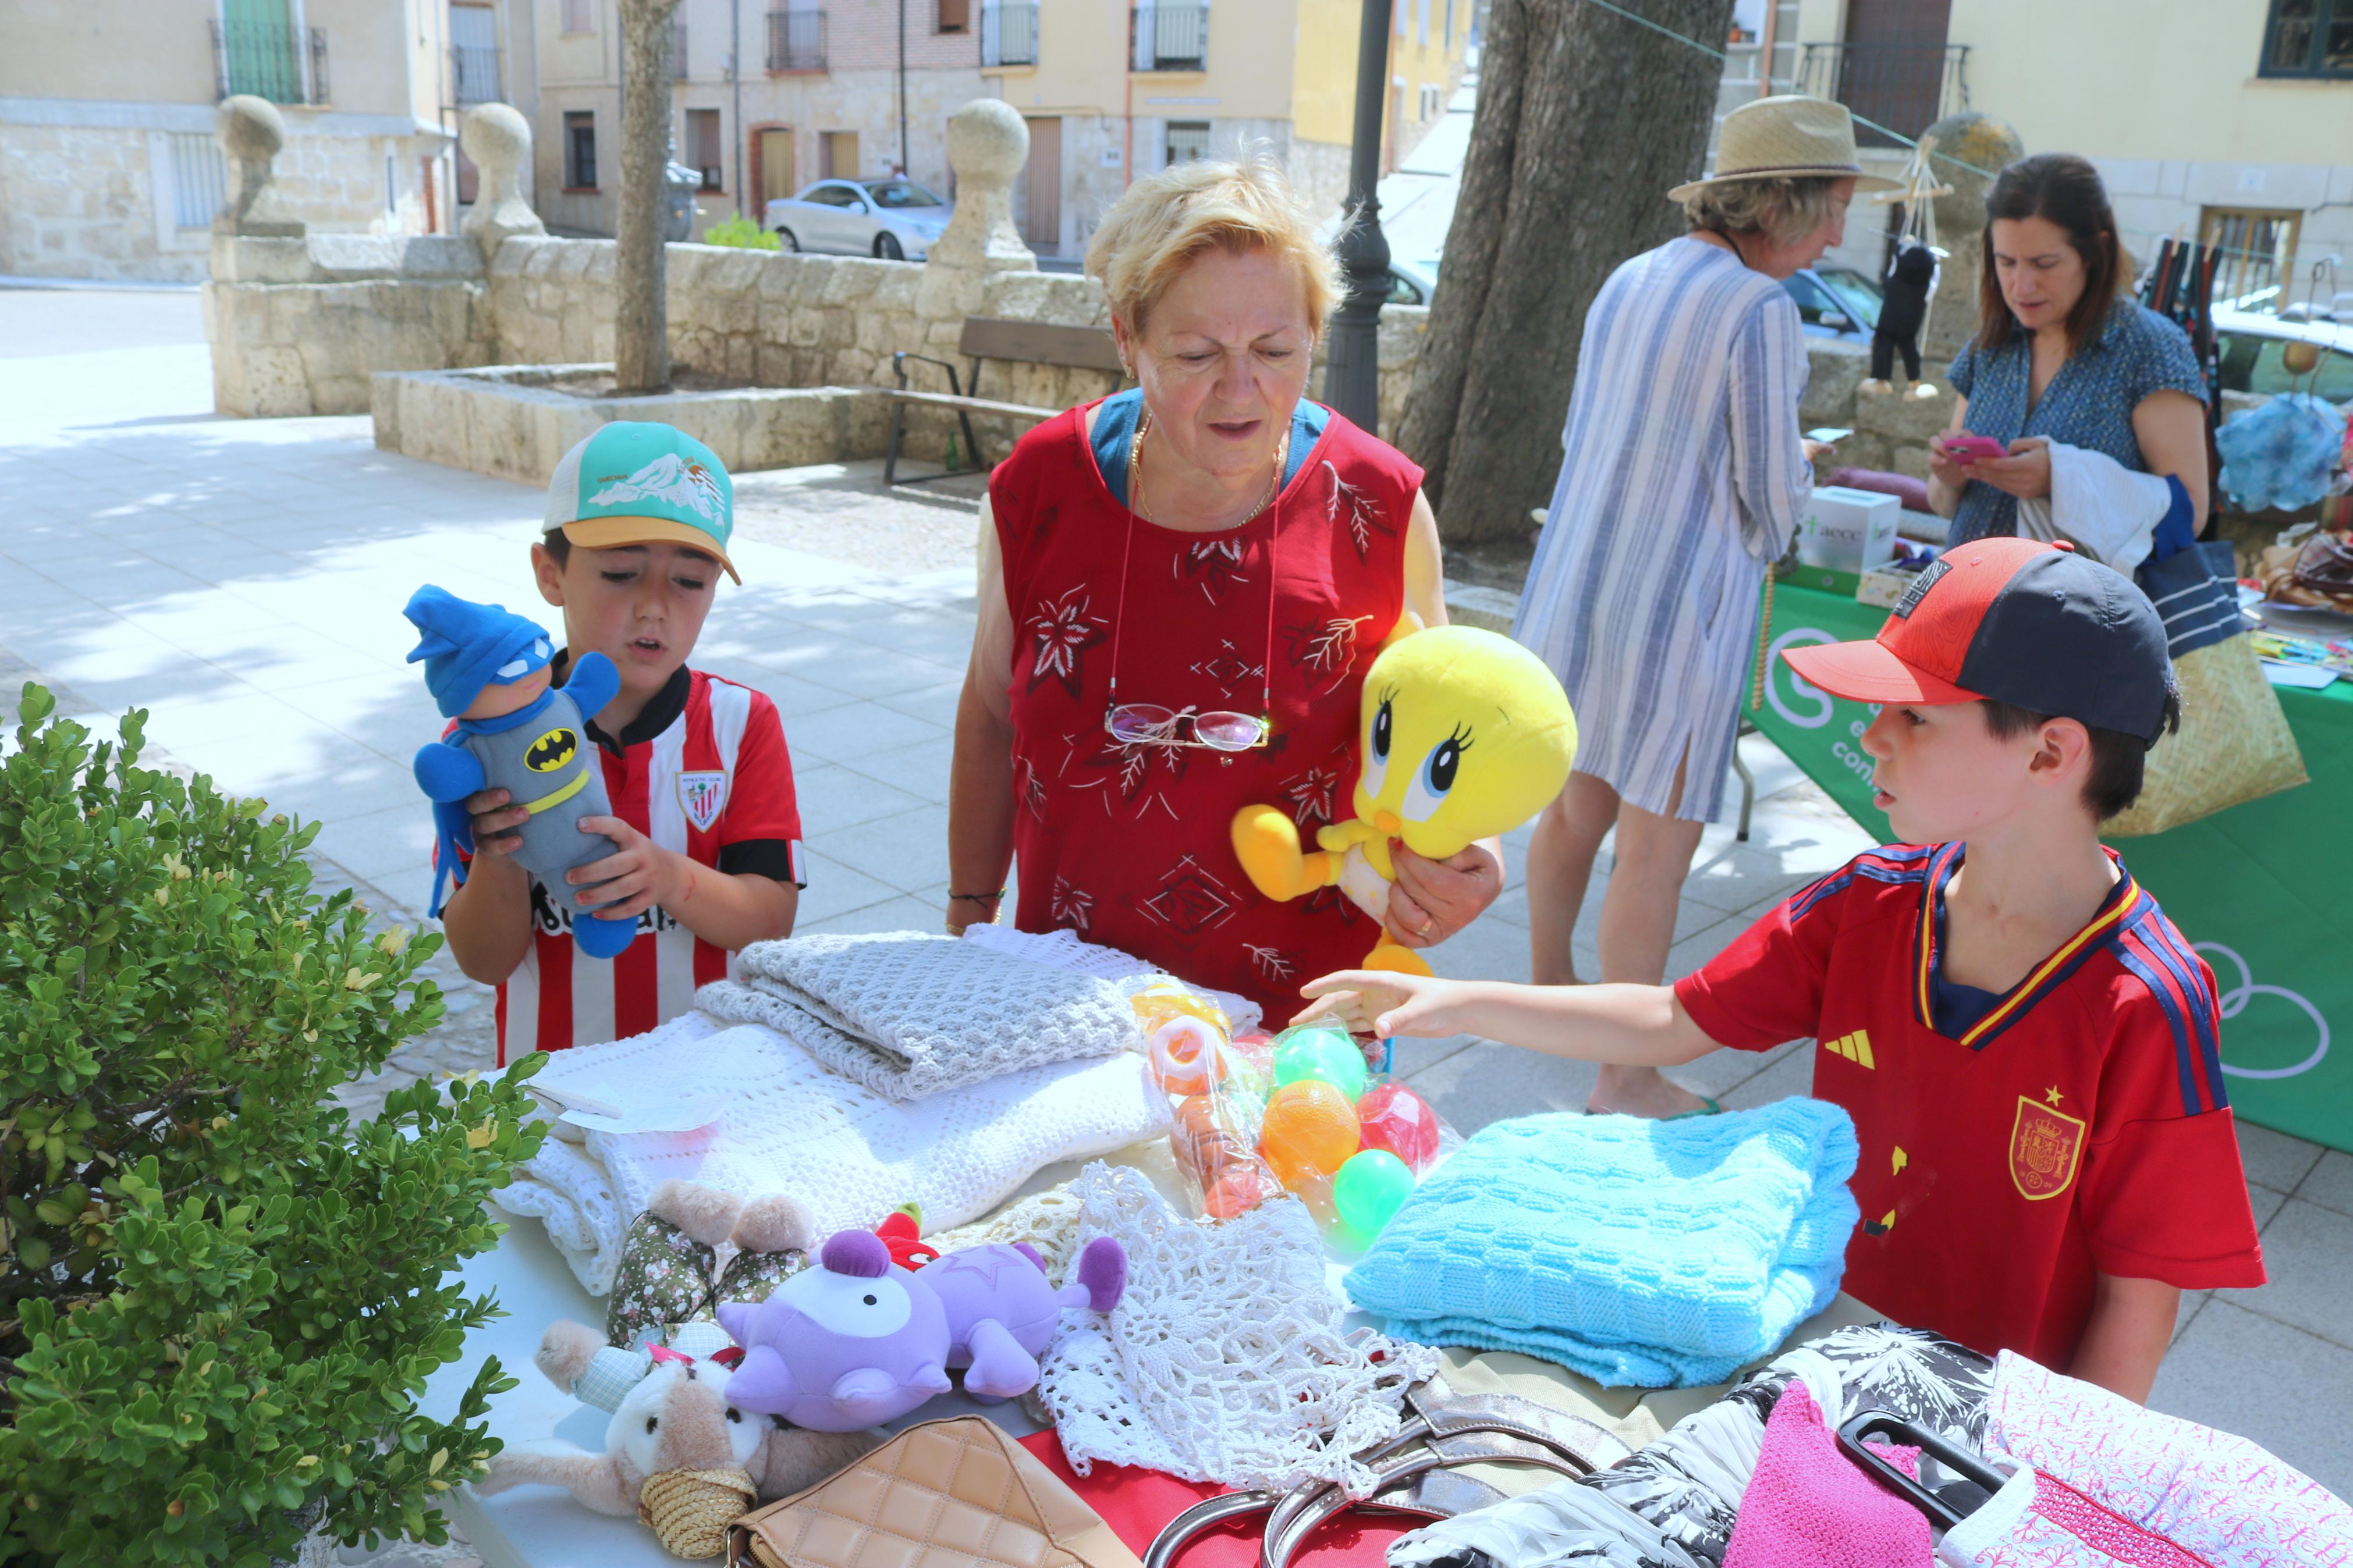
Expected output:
(1682, 478)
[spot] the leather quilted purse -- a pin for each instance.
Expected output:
(956, 1493)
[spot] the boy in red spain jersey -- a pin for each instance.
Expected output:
(636, 535)
(2028, 1047)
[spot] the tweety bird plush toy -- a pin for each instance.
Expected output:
(1466, 735)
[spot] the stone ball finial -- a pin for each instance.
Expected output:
(989, 143)
(1967, 142)
(498, 138)
(249, 129)
(495, 136)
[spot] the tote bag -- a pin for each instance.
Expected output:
(2234, 744)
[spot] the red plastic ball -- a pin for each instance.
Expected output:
(1392, 1117)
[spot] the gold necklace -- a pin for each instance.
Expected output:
(1135, 474)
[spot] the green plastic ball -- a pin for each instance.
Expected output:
(1369, 1188)
(1318, 1051)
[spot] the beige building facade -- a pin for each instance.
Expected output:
(108, 167)
(815, 92)
(2226, 121)
(1114, 91)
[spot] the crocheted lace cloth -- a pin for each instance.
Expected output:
(1225, 1361)
(1048, 1221)
(791, 1126)
(908, 1014)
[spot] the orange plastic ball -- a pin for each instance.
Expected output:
(1310, 1126)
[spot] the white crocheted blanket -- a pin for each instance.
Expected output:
(908, 1014)
(792, 1126)
(1225, 1361)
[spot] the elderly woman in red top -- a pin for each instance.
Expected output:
(1181, 587)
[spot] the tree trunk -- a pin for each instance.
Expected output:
(1584, 121)
(640, 311)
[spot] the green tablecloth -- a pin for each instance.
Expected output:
(2265, 891)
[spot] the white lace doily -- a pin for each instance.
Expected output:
(1225, 1361)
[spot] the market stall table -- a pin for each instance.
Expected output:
(2259, 889)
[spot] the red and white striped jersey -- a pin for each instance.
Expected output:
(702, 771)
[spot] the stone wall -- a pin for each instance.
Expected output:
(298, 325)
(78, 202)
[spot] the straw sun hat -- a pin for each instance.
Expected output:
(1788, 137)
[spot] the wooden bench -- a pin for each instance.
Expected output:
(988, 338)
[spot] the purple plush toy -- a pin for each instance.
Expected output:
(856, 1341)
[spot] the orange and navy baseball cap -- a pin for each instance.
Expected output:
(2016, 621)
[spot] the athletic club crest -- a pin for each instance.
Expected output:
(702, 796)
(2046, 1144)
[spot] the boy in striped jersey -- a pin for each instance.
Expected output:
(638, 517)
(2028, 1047)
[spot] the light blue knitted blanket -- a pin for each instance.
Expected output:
(1649, 1253)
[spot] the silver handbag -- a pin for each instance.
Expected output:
(1415, 1470)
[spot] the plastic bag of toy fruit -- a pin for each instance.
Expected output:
(1301, 1111)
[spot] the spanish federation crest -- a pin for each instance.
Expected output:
(702, 796)
(2045, 1146)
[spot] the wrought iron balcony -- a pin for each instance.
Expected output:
(1009, 33)
(1171, 36)
(796, 40)
(269, 59)
(474, 68)
(1906, 88)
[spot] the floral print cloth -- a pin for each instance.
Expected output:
(665, 1278)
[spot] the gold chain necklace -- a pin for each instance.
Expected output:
(1135, 474)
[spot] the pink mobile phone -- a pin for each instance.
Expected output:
(1969, 448)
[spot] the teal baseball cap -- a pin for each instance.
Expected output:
(634, 482)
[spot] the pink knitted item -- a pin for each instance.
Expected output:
(1809, 1506)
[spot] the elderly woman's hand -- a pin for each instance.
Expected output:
(2025, 473)
(1432, 899)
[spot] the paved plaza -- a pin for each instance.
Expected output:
(242, 581)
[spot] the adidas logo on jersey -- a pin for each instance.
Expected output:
(1854, 1048)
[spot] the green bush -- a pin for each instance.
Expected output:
(741, 233)
(220, 1298)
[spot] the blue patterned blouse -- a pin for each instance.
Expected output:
(2088, 405)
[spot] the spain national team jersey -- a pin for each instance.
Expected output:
(2014, 1145)
(702, 771)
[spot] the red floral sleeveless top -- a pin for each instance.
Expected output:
(1128, 844)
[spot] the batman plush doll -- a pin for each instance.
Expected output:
(515, 731)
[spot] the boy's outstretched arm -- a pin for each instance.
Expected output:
(1631, 1026)
(2126, 1335)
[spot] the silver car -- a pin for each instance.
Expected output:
(893, 218)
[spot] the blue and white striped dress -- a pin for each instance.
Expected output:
(1681, 481)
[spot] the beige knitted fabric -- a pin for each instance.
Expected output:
(908, 1015)
(691, 1509)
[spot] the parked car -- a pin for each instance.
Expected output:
(1413, 282)
(893, 218)
(1834, 301)
(2255, 351)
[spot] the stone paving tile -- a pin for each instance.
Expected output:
(2284, 1389)
(907, 850)
(2275, 1160)
(2308, 1253)
(2330, 1183)
(844, 734)
(833, 798)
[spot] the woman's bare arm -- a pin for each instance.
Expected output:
(1945, 477)
(2171, 429)
(1425, 565)
(980, 776)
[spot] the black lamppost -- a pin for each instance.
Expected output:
(1351, 377)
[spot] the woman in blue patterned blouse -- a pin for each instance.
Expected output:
(2062, 354)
